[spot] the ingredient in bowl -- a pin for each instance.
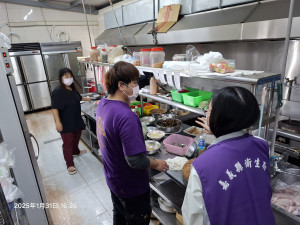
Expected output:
(168, 123)
(156, 134)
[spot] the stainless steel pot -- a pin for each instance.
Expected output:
(168, 129)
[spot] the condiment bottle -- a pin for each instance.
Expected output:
(153, 86)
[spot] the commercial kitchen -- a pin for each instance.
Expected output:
(186, 52)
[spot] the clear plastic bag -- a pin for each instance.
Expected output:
(7, 158)
(287, 197)
(192, 53)
(4, 41)
(118, 51)
(11, 191)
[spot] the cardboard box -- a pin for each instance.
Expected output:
(167, 17)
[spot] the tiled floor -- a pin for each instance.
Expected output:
(83, 198)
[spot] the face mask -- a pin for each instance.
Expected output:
(68, 81)
(135, 93)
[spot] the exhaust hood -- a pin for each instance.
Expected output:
(253, 21)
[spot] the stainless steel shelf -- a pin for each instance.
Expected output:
(261, 78)
(172, 103)
(164, 217)
(288, 134)
(170, 191)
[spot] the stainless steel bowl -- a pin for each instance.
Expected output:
(168, 129)
(152, 146)
(168, 115)
(149, 129)
(148, 120)
(165, 206)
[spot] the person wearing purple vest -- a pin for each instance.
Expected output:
(229, 183)
(123, 149)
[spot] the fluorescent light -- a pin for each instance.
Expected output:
(25, 17)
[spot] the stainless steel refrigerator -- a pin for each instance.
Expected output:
(16, 135)
(59, 55)
(30, 76)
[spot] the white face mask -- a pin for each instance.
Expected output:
(135, 93)
(68, 81)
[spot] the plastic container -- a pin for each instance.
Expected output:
(194, 97)
(157, 57)
(149, 108)
(177, 95)
(179, 57)
(153, 86)
(136, 58)
(104, 56)
(180, 139)
(94, 54)
(145, 57)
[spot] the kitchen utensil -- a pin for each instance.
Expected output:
(168, 115)
(156, 135)
(165, 206)
(190, 152)
(177, 138)
(152, 146)
(172, 129)
(148, 120)
(263, 98)
(290, 125)
(149, 129)
(156, 112)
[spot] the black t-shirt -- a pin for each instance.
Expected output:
(68, 104)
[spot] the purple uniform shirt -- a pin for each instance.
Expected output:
(235, 179)
(120, 134)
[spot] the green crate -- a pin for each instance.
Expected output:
(193, 98)
(177, 97)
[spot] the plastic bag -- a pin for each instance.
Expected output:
(11, 191)
(204, 61)
(223, 66)
(192, 53)
(128, 58)
(287, 197)
(176, 65)
(118, 51)
(7, 158)
(4, 41)
(4, 172)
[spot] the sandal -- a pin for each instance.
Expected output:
(72, 170)
(81, 152)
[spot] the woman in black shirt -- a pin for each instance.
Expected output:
(67, 115)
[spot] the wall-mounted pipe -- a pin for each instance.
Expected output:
(286, 50)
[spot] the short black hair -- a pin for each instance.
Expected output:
(121, 71)
(233, 109)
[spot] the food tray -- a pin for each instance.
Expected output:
(177, 138)
(177, 97)
(193, 98)
(148, 108)
(194, 131)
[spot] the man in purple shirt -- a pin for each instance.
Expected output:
(123, 148)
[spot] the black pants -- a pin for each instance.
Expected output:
(132, 211)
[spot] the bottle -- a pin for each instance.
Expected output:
(104, 55)
(201, 143)
(153, 86)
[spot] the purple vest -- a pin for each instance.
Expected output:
(234, 174)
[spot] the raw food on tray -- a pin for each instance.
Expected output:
(287, 197)
(193, 130)
(176, 163)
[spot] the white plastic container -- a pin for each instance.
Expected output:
(94, 54)
(145, 57)
(157, 57)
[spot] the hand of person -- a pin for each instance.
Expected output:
(59, 126)
(161, 165)
(203, 122)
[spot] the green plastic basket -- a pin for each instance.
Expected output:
(177, 97)
(193, 98)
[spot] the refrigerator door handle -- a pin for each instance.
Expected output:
(37, 144)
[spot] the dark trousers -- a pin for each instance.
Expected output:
(70, 146)
(132, 211)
